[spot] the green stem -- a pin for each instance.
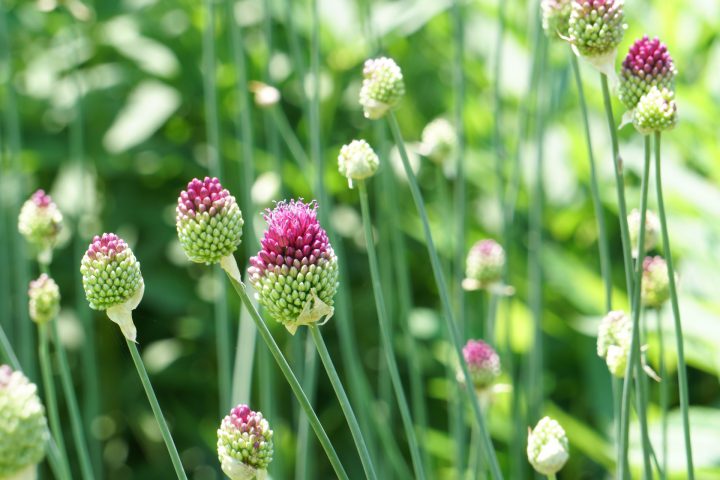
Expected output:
(634, 365)
(7, 350)
(76, 422)
(387, 346)
(552, 477)
(682, 366)
(162, 424)
(305, 463)
(664, 396)
(486, 442)
(51, 399)
(603, 245)
(290, 377)
(344, 403)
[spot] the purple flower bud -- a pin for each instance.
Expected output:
(483, 363)
(245, 444)
(40, 221)
(295, 273)
(596, 27)
(655, 282)
(648, 64)
(208, 221)
(44, 299)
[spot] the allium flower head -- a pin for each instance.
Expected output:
(23, 428)
(655, 112)
(556, 17)
(208, 221)
(655, 282)
(439, 140)
(40, 221)
(548, 448)
(596, 28)
(652, 230)
(485, 263)
(44, 299)
(245, 444)
(357, 161)
(613, 341)
(483, 364)
(382, 87)
(295, 273)
(648, 64)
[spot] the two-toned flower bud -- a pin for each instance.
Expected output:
(40, 222)
(483, 364)
(595, 29)
(655, 289)
(245, 444)
(484, 265)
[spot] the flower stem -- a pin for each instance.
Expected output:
(267, 337)
(344, 402)
(51, 399)
(682, 366)
(76, 422)
(387, 346)
(603, 246)
(164, 430)
(664, 396)
(486, 442)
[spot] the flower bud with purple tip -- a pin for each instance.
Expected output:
(245, 444)
(44, 296)
(40, 221)
(484, 266)
(483, 364)
(23, 427)
(295, 273)
(655, 289)
(648, 64)
(382, 87)
(613, 341)
(556, 17)
(208, 221)
(655, 112)
(596, 28)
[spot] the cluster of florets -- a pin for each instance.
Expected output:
(208, 221)
(556, 17)
(548, 447)
(357, 161)
(652, 230)
(596, 27)
(382, 87)
(295, 273)
(484, 265)
(44, 296)
(439, 140)
(483, 364)
(110, 272)
(656, 111)
(40, 221)
(614, 341)
(23, 428)
(655, 289)
(245, 444)
(648, 64)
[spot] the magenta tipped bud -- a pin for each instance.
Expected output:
(483, 364)
(44, 302)
(485, 263)
(245, 444)
(40, 222)
(295, 273)
(648, 64)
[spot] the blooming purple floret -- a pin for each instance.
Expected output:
(245, 443)
(107, 245)
(483, 363)
(41, 199)
(296, 265)
(648, 64)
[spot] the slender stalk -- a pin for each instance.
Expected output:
(51, 399)
(7, 350)
(486, 442)
(76, 422)
(682, 366)
(304, 464)
(162, 424)
(664, 396)
(603, 245)
(552, 477)
(634, 365)
(387, 346)
(290, 377)
(344, 403)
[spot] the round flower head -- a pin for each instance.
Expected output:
(439, 140)
(483, 364)
(245, 444)
(548, 448)
(485, 263)
(556, 17)
(44, 299)
(295, 273)
(382, 87)
(112, 280)
(655, 112)
(40, 222)
(357, 161)
(23, 428)
(613, 342)
(655, 289)
(208, 220)
(652, 230)
(595, 29)
(647, 64)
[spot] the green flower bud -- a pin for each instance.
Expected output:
(655, 112)
(44, 302)
(548, 448)
(652, 230)
(596, 27)
(614, 341)
(382, 87)
(357, 161)
(556, 17)
(655, 289)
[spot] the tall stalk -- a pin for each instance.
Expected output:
(682, 366)
(486, 442)
(664, 396)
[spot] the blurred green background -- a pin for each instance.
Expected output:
(141, 136)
